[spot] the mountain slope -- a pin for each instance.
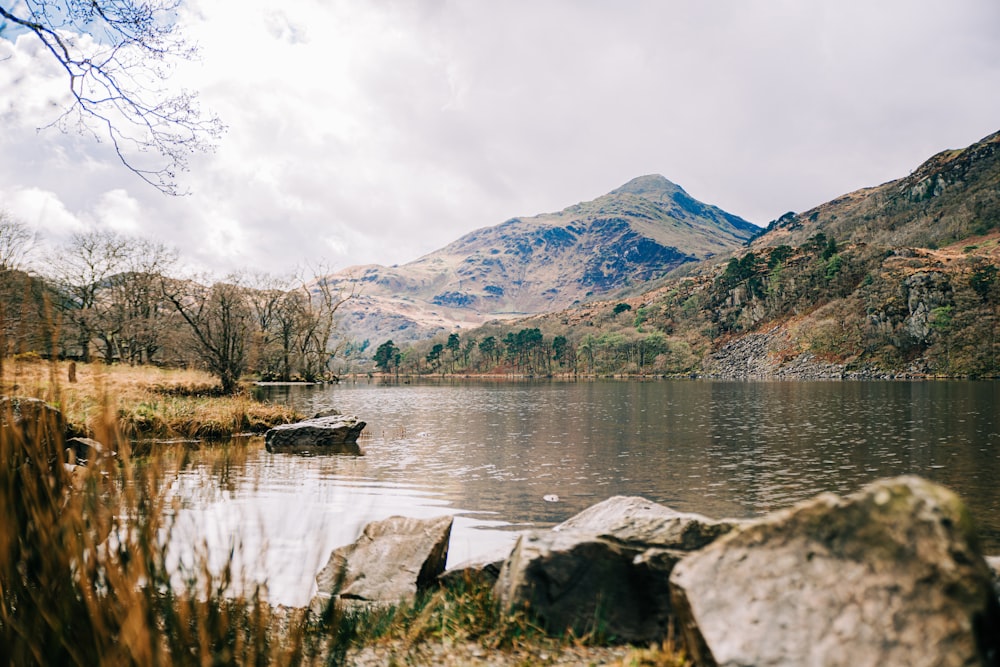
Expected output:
(898, 279)
(954, 194)
(543, 263)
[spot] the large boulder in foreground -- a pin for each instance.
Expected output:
(606, 570)
(334, 434)
(389, 563)
(888, 576)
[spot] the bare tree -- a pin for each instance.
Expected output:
(118, 56)
(134, 307)
(80, 271)
(266, 295)
(221, 319)
(16, 242)
(322, 298)
(25, 324)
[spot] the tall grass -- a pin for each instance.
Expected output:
(83, 568)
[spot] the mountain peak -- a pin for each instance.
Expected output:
(651, 186)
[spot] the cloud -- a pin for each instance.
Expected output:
(379, 131)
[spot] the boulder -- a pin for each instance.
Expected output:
(32, 417)
(994, 564)
(389, 563)
(605, 570)
(581, 582)
(38, 428)
(638, 521)
(888, 576)
(332, 434)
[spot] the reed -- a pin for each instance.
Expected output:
(84, 578)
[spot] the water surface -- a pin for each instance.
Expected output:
(490, 452)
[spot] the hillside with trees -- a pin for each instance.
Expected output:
(901, 279)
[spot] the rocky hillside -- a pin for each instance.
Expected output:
(903, 278)
(951, 196)
(543, 263)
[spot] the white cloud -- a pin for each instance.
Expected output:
(367, 132)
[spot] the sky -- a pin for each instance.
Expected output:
(376, 131)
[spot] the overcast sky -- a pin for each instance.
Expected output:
(373, 131)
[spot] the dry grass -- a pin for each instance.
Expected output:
(83, 575)
(141, 401)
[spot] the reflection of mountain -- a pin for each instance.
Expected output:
(543, 263)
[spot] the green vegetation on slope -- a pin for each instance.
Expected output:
(902, 278)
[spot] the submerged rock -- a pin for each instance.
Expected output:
(389, 563)
(334, 434)
(888, 576)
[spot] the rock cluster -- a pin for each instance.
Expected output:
(759, 355)
(889, 575)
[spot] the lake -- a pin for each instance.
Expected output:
(492, 452)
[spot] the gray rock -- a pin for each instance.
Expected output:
(888, 576)
(329, 435)
(994, 564)
(579, 581)
(389, 563)
(37, 425)
(638, 521)
(606, 569)
(85, 450)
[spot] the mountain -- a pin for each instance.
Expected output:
(547, 262)
(952, 195)
(900, 279)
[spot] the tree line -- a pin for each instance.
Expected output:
(108, 296)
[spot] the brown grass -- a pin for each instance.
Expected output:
(142, 401)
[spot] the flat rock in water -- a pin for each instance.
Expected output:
(334, 434)
(888, 576)
(389, 563)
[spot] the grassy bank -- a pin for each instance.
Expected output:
(141, 401)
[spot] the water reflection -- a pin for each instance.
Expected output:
(723, 448)
(490, 451)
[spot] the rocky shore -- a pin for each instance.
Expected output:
(765, 356)
(889, 575)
